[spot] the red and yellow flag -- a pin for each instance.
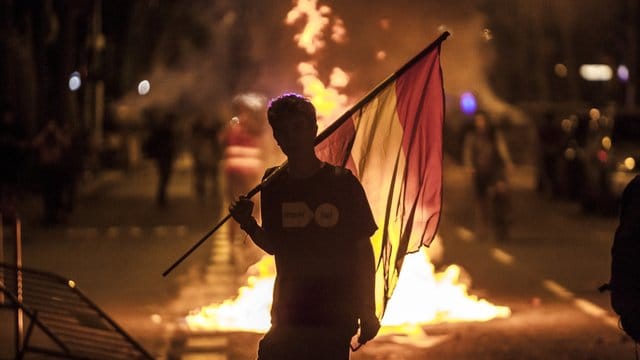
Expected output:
(392, 141)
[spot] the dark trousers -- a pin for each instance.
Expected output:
(309, 343)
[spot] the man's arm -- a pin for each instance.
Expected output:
(366, 282)
(241, 212)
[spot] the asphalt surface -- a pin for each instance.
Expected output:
(117, 242)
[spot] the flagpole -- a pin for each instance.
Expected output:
(320, 138)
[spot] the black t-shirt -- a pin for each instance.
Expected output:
(315, 224)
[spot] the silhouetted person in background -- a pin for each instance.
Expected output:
(12, 151)
(550, 147)
(73, 166)
(317, 222)
(487, 158)
(625, 261)
(161, 147)
(206, 154)
(52, 143)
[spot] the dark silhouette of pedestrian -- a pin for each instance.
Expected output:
(161, 147)
(551, 142)
(625, 261)
(206, 154)
(486, 158)
(73, 166)
(51, 144)
(317, 222)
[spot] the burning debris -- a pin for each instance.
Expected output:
(423, 296)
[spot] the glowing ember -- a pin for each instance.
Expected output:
(327, 99)
(311, 37)
(338, 31)
(421, 297)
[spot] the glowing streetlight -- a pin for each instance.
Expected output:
(596, 72)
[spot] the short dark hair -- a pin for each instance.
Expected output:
(291, 104)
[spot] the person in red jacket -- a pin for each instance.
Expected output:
(246, 153)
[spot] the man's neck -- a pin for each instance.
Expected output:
(302, 167)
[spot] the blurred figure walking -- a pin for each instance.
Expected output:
(52, 143)
(487, 158)
(161, 147)
(206, 154)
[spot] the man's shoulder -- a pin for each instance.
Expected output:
(338, 171)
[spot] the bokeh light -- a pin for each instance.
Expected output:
(630, 163)
(144, 87)
(74, 81)
(596, 72)
(468, 103)
(560, 70)
(623, 73)
(486, 35)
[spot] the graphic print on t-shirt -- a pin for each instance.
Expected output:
(299, 215)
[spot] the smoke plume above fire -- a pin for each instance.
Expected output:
(257, 46)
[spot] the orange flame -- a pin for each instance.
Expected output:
(311, 37)
(327, 99)
(422, 296)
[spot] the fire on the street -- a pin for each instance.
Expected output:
(422, 296)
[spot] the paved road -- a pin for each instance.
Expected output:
(117, 244)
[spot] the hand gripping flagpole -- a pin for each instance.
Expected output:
(204, 238)
(320, 138)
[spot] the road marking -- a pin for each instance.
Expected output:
(113, 231)
(465, 234)
(502, 256)
(583, 305)
(135, 231)
(557, 289)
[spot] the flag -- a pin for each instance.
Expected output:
(392, 142)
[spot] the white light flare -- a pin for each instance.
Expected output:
(596, 72)
(75, 81)
(144, 87)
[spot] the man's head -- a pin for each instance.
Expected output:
(291, 107)
(293, 120)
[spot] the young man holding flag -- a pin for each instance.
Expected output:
(317, 222)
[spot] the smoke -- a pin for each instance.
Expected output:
(250, 48)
